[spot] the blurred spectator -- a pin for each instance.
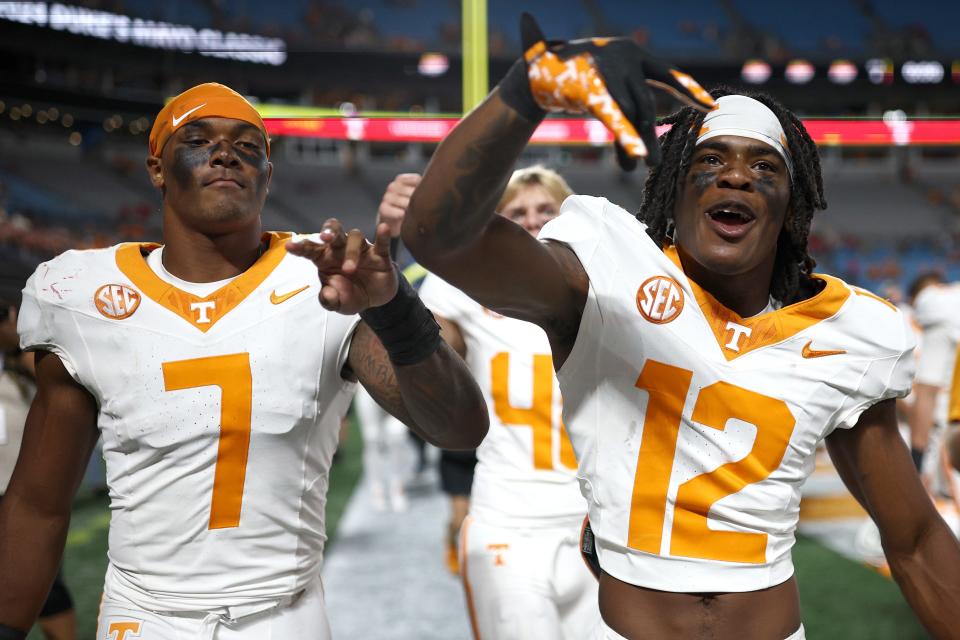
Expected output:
(57, 618)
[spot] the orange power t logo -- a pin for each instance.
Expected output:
(121, 629)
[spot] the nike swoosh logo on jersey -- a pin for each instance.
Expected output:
(807, 352)
(275, 299)
(177, 120)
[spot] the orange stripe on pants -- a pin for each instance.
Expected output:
(464, 528)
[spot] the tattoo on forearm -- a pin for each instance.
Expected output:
(373, 369)
(479, 170)
(414, 397)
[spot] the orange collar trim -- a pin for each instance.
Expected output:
(737, 336)
(202, 313)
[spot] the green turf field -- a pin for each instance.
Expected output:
(841, 600)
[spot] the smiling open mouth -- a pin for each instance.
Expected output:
(730, 220)
(730, 217)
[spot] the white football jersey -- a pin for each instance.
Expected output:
(937, 311)
(526, 468)
(219, 418)
(695, 428)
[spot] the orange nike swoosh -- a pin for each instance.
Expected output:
(275, 299)
(807, 352)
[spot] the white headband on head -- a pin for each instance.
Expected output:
(749, 118)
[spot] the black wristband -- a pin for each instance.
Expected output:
(9, 633)
(515, 92)
(405, 326)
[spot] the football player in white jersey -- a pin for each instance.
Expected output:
(216, 367)
(937, 312)
(700, 359)
(520, 560)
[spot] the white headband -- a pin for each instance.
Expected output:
(749, 118)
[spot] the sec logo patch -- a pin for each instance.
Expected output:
(116, 301)
(660, 299)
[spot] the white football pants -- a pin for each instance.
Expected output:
(527, 584)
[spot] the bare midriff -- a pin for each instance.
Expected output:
(638, 613)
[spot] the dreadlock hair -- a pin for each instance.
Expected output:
(792, 269)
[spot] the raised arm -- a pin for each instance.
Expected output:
(396, 352)
(58, 437)
(924, 557)
(451, 228)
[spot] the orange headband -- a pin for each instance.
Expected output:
(206, 100)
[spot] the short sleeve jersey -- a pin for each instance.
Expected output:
(526, 468)
(694, 427)
(219, 417)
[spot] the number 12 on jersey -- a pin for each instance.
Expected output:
(716, 404)
(232, 374)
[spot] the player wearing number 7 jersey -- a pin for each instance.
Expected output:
(521, 567)
(700, 359)
(216, 367)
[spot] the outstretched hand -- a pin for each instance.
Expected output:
(610, 78)
(354, 274)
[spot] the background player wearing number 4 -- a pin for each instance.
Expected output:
(520, 560)
(701, 361)
(217, 368)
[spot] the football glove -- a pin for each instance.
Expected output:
(606, 77)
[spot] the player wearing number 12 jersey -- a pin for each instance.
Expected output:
(700, 358)
(520, 559)
(216, 367)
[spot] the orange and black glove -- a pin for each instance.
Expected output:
(606, 77)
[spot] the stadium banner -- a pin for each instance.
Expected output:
(573, 131)
(155, 34)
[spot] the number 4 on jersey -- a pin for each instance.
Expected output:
(539, 416)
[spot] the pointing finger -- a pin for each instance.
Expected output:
(683, 87)
(355, 243)
(382, 245)
(333, 234)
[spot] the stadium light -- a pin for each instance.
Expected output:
(433, 65)
(755, 71)
(879, 70)
(922, 71)
(799, 72)
(842, 72)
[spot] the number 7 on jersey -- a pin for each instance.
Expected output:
(232, 374)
